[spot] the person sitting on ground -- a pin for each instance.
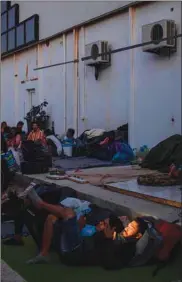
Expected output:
(53, 143)
(37, 135)
(3, 125)
(112, 248)
(14, 139)
(69, 138)
(19, 129)
(5, 174)
(6, 132)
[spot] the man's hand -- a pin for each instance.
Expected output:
(109, 232)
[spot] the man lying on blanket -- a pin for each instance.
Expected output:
(112, 246)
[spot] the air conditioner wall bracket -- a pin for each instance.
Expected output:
(100, 66)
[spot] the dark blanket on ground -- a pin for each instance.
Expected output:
(79, 162)
(164, 154)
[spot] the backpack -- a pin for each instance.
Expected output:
(172, 235)
(147, 245)
(157, 245)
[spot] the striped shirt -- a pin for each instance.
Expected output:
(37, 135)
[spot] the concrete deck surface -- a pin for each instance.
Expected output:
(9, 275)
(126, 205)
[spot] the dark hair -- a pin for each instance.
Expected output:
(3, 122)
(35, 122)
(142, 225)
(7, 129)
(20, 123)
(15, 129)
(71, 131)
(114, 221)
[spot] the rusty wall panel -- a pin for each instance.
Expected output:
(157, 81)
(76, 77)
(106, 102)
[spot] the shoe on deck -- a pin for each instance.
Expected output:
(38, 260)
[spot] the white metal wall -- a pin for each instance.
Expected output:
(139, 88)
(106, 100)
(157, 81)
(56, 16)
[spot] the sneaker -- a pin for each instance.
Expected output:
(24, 194)
(38, 260)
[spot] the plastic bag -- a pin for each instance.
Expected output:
(16, 155)
(11, 161)
(80, 207)
(88, 231)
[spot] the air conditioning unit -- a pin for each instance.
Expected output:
(156, 32)
(93, 50)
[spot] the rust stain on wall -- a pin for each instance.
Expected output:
(26, 72)
(76, 74)
(37, 54)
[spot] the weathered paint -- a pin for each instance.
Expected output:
(132, 19)
(65, 83)
(157, 81)
(76, 78)
(107, 98)
(139, 88)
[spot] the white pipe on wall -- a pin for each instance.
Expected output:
(76, 41)
(132, 20)
(16, 92)
(65, 84)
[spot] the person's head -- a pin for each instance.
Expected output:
(113, 223)
(135, 228)
(35, 126)
(3, 124)
(7, 130)
(48, 132)
(70, 133)
(20, 125)
(13, 131)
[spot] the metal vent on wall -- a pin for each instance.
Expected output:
(156, 32)
(94, 49)
(99, 59)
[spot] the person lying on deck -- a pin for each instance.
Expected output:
(111, 247)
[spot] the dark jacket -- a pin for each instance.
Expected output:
(3, 144)
(99, 251)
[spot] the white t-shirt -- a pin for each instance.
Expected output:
(56, 142)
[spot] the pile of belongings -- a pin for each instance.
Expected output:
(105, 145)
(165, 157)
(36, 159)
(158, 180)
(140, 154)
